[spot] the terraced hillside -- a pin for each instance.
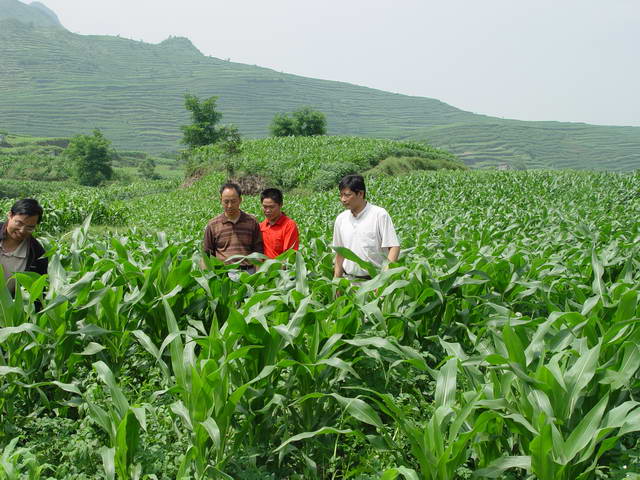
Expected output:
(539, 144)
(56, 83)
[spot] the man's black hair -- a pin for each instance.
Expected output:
(272, 193)
(27, 206)
(355, 183)
(233, 186)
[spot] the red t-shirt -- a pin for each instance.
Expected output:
(280, 236)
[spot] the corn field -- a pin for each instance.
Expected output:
(503, 344)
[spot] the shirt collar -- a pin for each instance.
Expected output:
(21, 251)
(225, 219)
(361, 212)
(280, 220)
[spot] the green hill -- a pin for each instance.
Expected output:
(36, 13)
(318, 162)
(56, 83)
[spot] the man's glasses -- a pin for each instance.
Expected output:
(22, 226)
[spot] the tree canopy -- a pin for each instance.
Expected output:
(304, 122)
(205, 117)
(91, 158)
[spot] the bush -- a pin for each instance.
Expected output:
(303, 161)
(91, 157)
(147, 169)
(204, 129)
(305, 122)
(329, 177)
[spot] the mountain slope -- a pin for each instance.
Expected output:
(56, 83)
(538, 144)
(36, 13)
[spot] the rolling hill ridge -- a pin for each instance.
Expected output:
(57, 83)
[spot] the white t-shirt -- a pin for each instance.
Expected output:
(369, 235)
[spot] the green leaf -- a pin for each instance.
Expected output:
(349, 255)
(67, 387)
(212, 429)
(179, 409)
(580, 375)
(446, 384)
(301, 275)
(176, 347)
(92, 348)
(393, 473)
(108, 462)
(106, 375)
(306, 435)
(585, 432)
(622, 375)
(496, 468)
(626, 307)
(359, 409)
(598, 272)
(6, 332)
(514, 346)
(541, 453)
(7, 370)
(127, 438)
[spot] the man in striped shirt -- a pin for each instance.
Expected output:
(233, 232)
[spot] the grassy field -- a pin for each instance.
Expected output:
(58, 84)
(503, 344)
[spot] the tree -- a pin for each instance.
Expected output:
(147, 169)
(304, 122)
(91, 158)
(283, 126)
(230, 139)
(310, 122)
(204, 129)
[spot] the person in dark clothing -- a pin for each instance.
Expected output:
(19, 251)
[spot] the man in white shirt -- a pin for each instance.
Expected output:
(365, 229)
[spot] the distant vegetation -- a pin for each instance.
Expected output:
(56, 83)
(317, 162)
(204, 129)
(31, 158)
(90, 156)
(32, 165)
(304, 122)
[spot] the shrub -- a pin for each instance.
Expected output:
(330, 176)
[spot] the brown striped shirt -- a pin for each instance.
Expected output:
(223, 238)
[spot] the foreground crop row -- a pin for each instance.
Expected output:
(504, 344)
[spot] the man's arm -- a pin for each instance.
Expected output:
(256, 244)
(389, 237)
(338, 271)
(208, 244)
(209, 241)
(291, 238)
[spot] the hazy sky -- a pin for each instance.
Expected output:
(567, 60)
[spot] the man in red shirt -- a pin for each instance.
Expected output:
(279, 232)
